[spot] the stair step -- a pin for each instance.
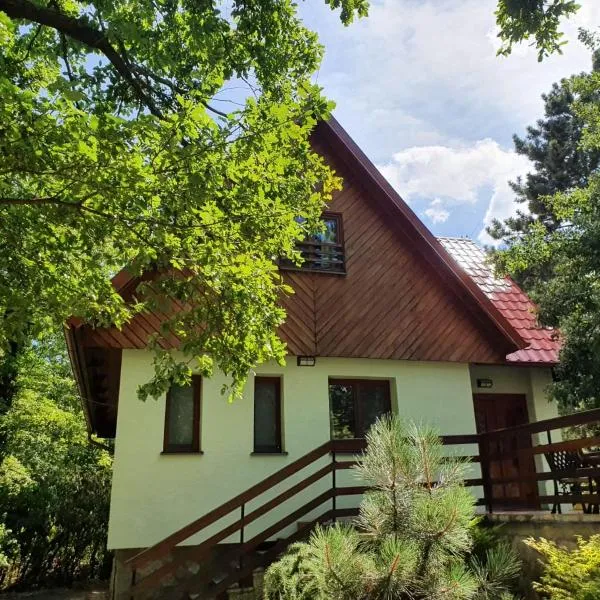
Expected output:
(254, 592)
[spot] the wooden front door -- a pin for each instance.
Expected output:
(499, 411)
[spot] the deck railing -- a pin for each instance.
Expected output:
(518, 460)
(514, 450)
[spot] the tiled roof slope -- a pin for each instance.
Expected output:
(509, 299)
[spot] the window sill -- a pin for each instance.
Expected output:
(268, 453)
(185, 452)
(305, 270)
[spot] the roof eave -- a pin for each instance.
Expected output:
(74, 350)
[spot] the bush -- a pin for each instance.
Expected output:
(413, 538)
(54, 484)
(569, 574)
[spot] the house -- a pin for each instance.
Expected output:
(385, 318)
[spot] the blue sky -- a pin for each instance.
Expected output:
(419, 87)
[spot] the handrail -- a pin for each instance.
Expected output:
(209, 518)
(168, 543)
(207, 545)
(340, 447)
(579, 418)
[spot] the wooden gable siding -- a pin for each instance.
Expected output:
(391, 304)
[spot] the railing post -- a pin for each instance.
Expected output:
(133, 575)
(241, 557)
(485, 471)
(333, 482)
(556, 507)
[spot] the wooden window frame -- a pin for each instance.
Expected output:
(289, 266)
(278, 449)
(358, 413)
(194, 447)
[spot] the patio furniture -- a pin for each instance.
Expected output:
(591, 459)
(562, 461)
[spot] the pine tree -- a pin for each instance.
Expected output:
(553, 145)
(413, 537)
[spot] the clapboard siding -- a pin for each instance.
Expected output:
(390, 304)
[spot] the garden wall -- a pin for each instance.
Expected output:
(562, 529)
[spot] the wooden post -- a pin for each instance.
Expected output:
(333, 482)
(556, 507)
(485, 471)
(241, 557)
(133, 575)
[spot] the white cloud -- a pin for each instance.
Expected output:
(436, 211)
(420, 88)
(431, 67)
(452, 176)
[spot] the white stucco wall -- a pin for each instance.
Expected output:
(155, 494)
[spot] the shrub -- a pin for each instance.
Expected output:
(54, 484)
(569, 574)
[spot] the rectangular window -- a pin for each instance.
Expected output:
(355, 404)
(267, 414)
(182, 418)
(323, 251)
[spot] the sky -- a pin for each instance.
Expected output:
(418, 86)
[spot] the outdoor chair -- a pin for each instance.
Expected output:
(560, 462)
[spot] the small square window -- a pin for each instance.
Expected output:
(323, 251)
(355, 405)
(182, 418)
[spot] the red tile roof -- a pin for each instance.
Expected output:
(510, 300)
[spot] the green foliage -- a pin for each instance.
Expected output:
(54, 484)
(568, 295)
(553, 145)
(413, 538)
(569, 574)
(521, 20)
(125, 141)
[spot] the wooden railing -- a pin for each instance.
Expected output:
(318, 256)
(537, 460)
(240, 558)
(240, 561)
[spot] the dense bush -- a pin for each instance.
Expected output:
(412, 540)
(569, 574)
(54, 484)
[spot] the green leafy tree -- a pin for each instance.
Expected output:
(569, 295)
(522, 20)
(125, 140)
(564, 260)
(54, 484)
(413, 537)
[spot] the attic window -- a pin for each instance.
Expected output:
(324, 251)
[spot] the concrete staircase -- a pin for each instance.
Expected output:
(254, 592)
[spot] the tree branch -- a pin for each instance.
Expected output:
(174, 87)
(78, 29)
(34, 201)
